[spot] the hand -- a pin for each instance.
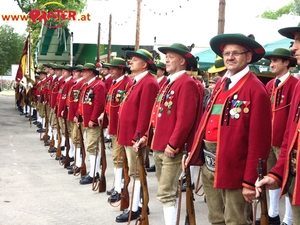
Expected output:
(100, 119)
(141, 143)
(169, 153)
(75, 119)
(249, 195)
(269, 182)
(91, 124)
(62, 113)
(183, 162)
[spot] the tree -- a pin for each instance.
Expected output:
(27, 5)
(11, 47)
(285, 10)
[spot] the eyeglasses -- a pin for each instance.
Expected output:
(235, 54)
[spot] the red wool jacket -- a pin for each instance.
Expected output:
(73, 99)
(280, 171)
(114, 99)
(92, 101)
(175, 114)
(240, 142)
(135, 111)
(62, 97)
(280, 105)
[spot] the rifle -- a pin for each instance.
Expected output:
(143, 219)
(58, 151)
(147, 161)
(102, 179)
(264, 218)
(190, 210)
(83, 166)
(67, 159)
(125, 194)
(45, 137)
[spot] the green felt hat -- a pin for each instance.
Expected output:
(47, 65)
(91, 66)
(280, 53)
(218, 66)
(181, 50)
(289, 32)
(161, 65)
(58, 66)
(105, 65)
(67, 67)
(145, 55)
(41, 72)
(117, 62)
(218, 43)
(78, 67)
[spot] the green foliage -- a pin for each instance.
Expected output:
(285, 10)
(11, 47)
(296, 8)
(27, 5)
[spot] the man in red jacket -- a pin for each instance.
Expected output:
(234, 132)
(285, 173)
(72, 102)
(280, 90)
(174, 118)
(120, 85)
(134, 117)
(91, 105)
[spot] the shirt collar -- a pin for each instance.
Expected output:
(284, 77)
(69, 78)
(159, 79)
(120, 78)
(175, 75)
(236, 77)
(91, 80)
(107, 76)
(140, 76)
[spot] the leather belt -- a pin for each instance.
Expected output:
(210, 154)
(293, 160)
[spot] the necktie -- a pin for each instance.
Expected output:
(226, 87)
(134, 81)
(277, 82)
(114, 82)
(167, 82)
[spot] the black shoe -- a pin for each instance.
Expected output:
(52, 150)
(32, 119)
(123, 217)
(41, 130)
(39, 125)
(140, 210)
(71, 159)
(109, 192)
(106, 140)
(27, 116)
(151, 168)
(71, 167)
(88, 180)
(115, 197)
(23, 114)
(77, 170)
(47, 143)
(272, 220)
(36, 122)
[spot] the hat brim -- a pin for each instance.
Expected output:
(213, 69)
(151, 64)
(95, 71)
(289, 32)
(189, 56)
(218, 42)
(269, 56)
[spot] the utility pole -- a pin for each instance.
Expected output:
(138, 19)
(221, 20)
(98, 43)
(109, 39)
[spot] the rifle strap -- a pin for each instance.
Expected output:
(198, 184)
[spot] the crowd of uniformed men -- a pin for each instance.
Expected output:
(145, 106)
